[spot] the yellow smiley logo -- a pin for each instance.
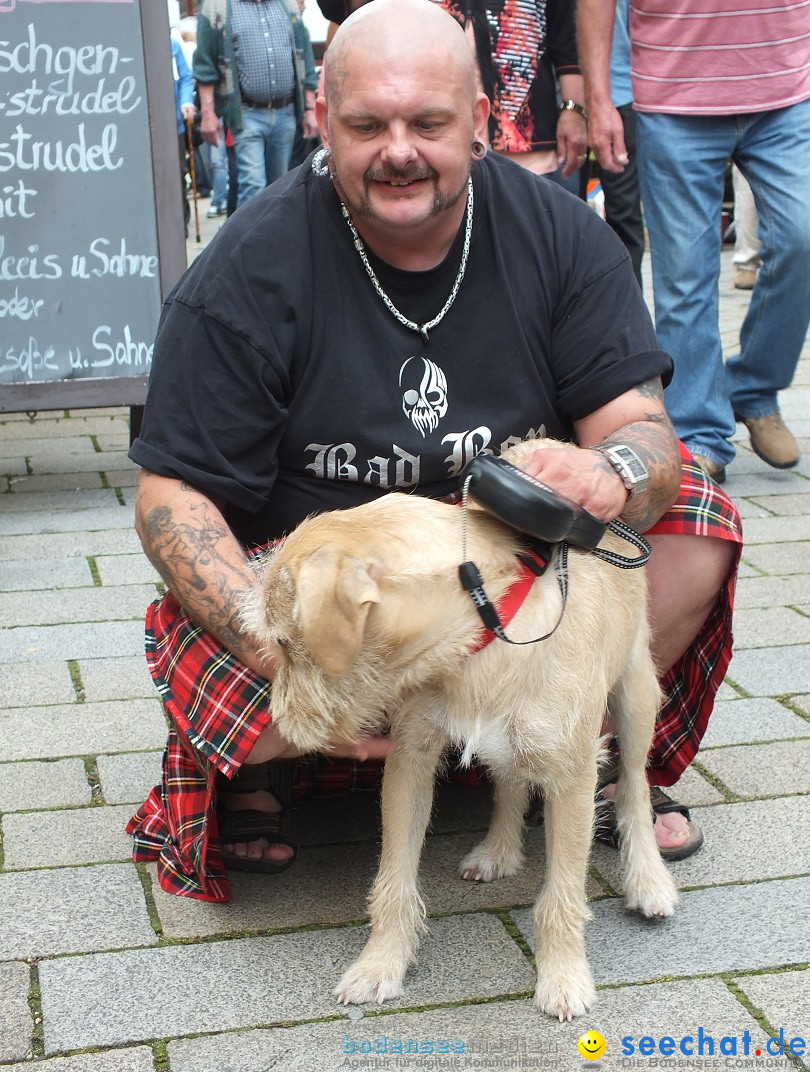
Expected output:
(591, 1045)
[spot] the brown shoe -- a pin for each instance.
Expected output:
(772, 440)
(744, 278)
(713, 471)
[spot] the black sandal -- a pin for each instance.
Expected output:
(606, 831)
(276, 777)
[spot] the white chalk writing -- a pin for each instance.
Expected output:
(40, 100)
(80, 286)
(30, 359)
(125, 351)
(21, 307)
(23, 152)
(29, 265)
(14, 201)
(31, 56)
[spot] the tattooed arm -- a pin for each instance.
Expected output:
(638, 419)
(189, 543)
(191, 546)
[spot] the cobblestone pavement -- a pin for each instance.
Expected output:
(100, 971)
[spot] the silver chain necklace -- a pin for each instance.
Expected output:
(421, 329)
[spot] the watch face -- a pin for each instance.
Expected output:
(632, 461)
(628, 465)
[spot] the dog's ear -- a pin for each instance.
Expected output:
(335, 592)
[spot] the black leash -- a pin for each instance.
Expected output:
(488, 613)
(537, 559)
(632, 537)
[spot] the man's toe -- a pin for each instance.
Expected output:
(671, 830)
(277, 853)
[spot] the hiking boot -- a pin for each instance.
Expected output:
(744, 279)
(713, 471)
(772, 440)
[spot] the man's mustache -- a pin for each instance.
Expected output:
(408, 175)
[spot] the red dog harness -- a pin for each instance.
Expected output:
(533, 564)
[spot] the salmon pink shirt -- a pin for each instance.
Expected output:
(719, 57)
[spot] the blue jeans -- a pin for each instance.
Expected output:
(263, 148)
(682, 161)
(217, 159)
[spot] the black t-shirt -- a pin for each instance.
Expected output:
(281, 383)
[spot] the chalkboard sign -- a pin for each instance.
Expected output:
(91, 225)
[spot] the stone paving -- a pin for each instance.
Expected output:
(100, 971)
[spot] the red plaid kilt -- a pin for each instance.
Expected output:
(217, 708)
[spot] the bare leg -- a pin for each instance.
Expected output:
(685, 575)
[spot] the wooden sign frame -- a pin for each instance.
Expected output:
(163, 167)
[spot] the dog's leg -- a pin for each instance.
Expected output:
(501, 852)
(648, 885)
(564, 983)
(396, 908)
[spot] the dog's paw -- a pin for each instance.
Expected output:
(565, 996)
(654, 901)
(362, 986)
(480, 866)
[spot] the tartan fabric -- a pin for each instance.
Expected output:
(216, 702)
(690, 686)
(702, 508)
(216, 708)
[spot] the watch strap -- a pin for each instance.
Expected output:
(574, 106)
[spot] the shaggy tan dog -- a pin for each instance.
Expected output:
(376, 631)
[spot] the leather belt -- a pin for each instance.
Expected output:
(279, 102)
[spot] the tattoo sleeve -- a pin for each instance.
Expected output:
(653, 438)
(187, 540)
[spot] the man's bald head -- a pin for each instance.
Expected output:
(401, 119)
(399, 31)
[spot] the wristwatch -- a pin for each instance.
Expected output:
(628, 465)
(574, 106)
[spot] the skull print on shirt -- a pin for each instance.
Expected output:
(424, 398)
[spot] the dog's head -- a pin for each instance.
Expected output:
(334, 592)
(313, 602)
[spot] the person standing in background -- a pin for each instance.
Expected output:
(303, 144)
(724, 82)
(185, 110)
(218, 170)
(621, 190)
(187, 28)
(527, 52)
(747, 261)
(255, 69)
(212, 157)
